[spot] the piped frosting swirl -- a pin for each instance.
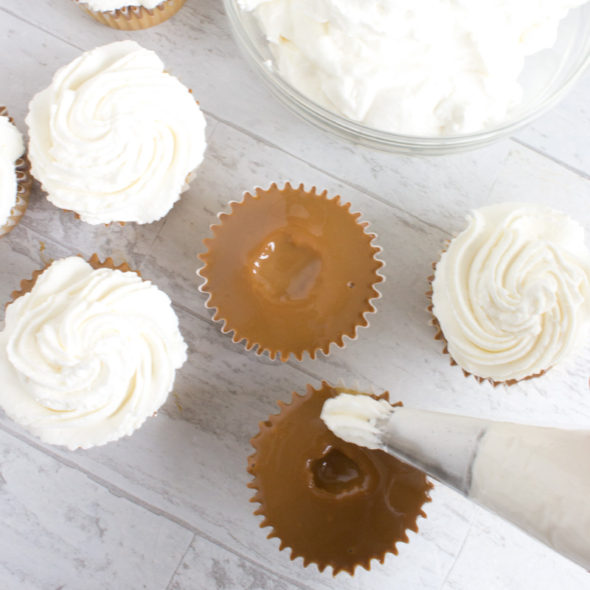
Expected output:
(87, 355)
(512, 291)
(115, 137)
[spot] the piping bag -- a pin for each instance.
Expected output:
(535, 477)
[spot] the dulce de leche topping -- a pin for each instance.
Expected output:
(291, 271)
(331, 502)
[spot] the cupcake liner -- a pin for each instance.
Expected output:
(330, 502)
(290, 271)
(26, 285)
(439, 335)
(134, 18)
(24, 183)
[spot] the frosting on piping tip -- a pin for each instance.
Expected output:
(512, 291)
(87, 355)
(115, 137)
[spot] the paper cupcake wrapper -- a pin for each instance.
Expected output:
(26, 285)
(275, 342)
(300, 505)
(134, 18)
(439, 335)
(24, 183)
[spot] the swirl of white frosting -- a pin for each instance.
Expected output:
(87, 355)
(114, 137)
(11, 149)
(512, 291)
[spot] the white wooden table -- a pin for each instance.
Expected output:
(168, 508)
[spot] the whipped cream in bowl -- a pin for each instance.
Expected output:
(88, 354)
(419, 77)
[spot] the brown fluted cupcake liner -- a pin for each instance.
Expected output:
(290, 271)
(134, 18)
(330, 502)
(439, 335)
(26, 285)
(24, 182)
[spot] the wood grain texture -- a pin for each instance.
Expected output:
(172, 500)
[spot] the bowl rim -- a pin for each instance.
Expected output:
(360, 133)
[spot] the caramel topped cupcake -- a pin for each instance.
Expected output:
(333, 503)
(290, 271)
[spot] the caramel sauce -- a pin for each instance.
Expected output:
(337, 474)
(286, 269)
(332, 502)
(291, 271)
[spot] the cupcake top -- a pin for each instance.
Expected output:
(12, 148)
(115, 137)
(512, 291)
(105, 5)
(87, 354)
(291, 271)
(332, 502)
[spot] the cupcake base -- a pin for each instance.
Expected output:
(331, 502)
(134, 18)
(291, 271)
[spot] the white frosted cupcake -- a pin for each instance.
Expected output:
(115, 137)
(511, 294)
(88, 352)
(15, 182)
(131, 15)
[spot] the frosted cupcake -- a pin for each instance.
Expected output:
(87, 353)
(15, 182)
(511, 293)
(291, 271)
(331, 502)
(115, 137)
(130, 15)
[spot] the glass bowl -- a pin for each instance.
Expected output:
(546, 78)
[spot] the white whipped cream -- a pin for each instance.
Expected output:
(538, 478)
(88, 355)
(357, 418)
(12, 148)
(115, 137)
(106, 5)
(419, 67)
(512, 291)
